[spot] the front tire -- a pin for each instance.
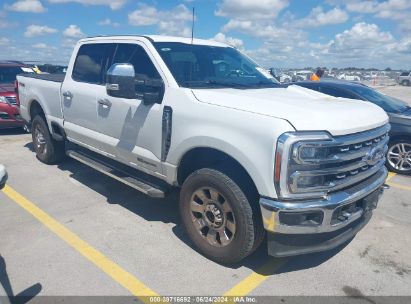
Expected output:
(218, 216)
(399, 156)
(48, 150)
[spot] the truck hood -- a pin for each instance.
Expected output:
(6, 88)
(305, 109)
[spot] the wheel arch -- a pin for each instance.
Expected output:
(35, 108)
(209, 157)
(400, 136)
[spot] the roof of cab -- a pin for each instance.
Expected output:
(158, 38)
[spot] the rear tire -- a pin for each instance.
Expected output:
(218, 217)
(405, 82)
(48, 150)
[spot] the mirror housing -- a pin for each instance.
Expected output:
(152, 90)
(121, 81)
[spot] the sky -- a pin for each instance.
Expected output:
(276, 33)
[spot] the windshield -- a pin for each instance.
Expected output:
(8, 74)
(205, 66)
(389, 104)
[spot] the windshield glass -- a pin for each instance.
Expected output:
(205, 66)
(8, 73)
(389, 104)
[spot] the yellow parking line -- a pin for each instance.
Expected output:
(399, 186)
(255, 279)
(390, 176)
(118, 274)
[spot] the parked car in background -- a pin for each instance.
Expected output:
(3, 176)
(404, 78)
(399, 112)
(9, 104)
(52, 69)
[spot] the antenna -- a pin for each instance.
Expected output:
(192, 41)
(192, 26)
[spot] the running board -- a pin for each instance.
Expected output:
(109, 170)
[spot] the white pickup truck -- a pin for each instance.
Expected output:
(251, 157)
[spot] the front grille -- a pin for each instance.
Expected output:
(346, 160)
(5, 116)
(12, 100)
(361, 155)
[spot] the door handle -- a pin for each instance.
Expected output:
(67, 95)
(104, 102)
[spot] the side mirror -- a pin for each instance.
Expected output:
(3, 177)
(121, 81)
(149, 90)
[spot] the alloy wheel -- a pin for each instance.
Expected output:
(399, 156)
(40, 141)
(213, 217)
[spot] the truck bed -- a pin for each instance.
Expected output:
(48, 77)
(45, 90)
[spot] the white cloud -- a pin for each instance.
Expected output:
(26, 6)
(144, 16)
(4, 41)
(4, 23)
(235, 42)
(362, 40)
(73, 31)
(251, 9)
(113, 4)
(364, 7)
(109, 22)
(38, 30)
(170, 22)
(318, 17)
(40, 46)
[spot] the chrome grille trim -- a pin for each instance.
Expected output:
(11, 100)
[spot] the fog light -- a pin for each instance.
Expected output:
(309, 218)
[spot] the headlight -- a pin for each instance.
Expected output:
(311, 164)
(297, 154)
(3, 99)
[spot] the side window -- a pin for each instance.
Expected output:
(137, 56)
(336, 92)
(310, 86)
(91, 63)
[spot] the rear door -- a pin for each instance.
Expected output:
(79, 101)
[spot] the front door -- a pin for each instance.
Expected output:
(129, 129)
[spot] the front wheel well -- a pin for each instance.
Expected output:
(395, 138)
(199, 158)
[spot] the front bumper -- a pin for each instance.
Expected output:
(10, 118)
(299, 227)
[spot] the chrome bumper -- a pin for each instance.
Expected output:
(328, 207)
